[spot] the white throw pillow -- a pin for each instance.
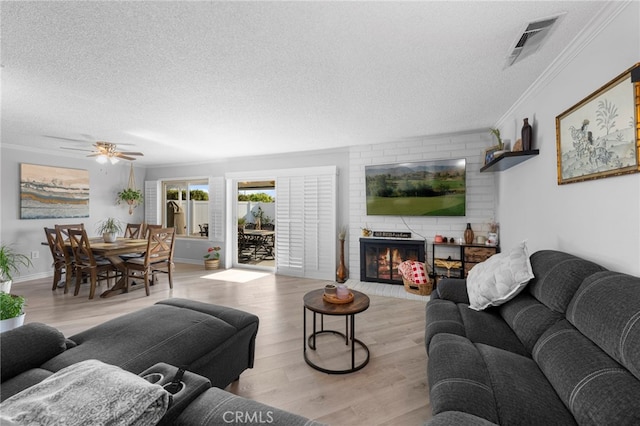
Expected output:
(499, 278)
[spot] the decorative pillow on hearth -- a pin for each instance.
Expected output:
(499, 278)
(414, 271)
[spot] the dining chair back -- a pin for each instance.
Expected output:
(157, 258)
(86, 262)
(134, 230)
(64, 229)
(148, 228)
(62, 260)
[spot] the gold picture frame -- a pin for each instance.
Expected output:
(600, 136)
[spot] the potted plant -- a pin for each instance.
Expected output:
(212, 258)
(131, 196)
(11, 311)
(109, 228)
(496, 133)
(9, 264)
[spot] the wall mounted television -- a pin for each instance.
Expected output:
(423, 188)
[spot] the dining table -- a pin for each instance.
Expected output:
(113, 252)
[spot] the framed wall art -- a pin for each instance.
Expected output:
(53, 192)
(598, 137)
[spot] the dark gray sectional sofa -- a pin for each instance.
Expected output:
(564, 351)
(215, 344)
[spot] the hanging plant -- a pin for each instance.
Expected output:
(131, 196)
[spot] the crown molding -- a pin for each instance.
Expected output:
(591, 30)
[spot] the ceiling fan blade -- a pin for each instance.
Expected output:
(124, 157)
(76, 149)
(67, 139)
(95, 154)
(130, 153)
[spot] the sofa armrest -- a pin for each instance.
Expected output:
(453, 289)
(219, 407)
(458, 418)
(27, 347)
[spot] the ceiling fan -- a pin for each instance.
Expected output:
(107, 151)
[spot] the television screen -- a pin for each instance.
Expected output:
(425, 188)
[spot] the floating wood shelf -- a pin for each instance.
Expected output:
(509, 159)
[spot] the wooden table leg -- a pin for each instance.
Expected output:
(121, 285)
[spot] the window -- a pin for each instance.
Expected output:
(186, 207)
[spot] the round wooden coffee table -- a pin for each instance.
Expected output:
(314, 302)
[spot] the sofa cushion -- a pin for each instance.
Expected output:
(22, 381)
(557, 277)
(463, 385)
(528, 318)
(591, 384)
(27, 347)
(158, 333)
(457, 418)
(523, 394)
(443, 316)
(499, 278)
(606, 309)
(488, 382)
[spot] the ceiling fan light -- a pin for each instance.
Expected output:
(102, 159)
(114, 160)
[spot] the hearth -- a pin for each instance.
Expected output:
(379, 258)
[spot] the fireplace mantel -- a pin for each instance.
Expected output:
(380, 257)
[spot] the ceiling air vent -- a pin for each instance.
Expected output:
(532, 37)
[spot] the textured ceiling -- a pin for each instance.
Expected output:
(201, 81)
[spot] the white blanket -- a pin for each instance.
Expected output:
(87, 393)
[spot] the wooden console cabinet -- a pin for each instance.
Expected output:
(457, 261)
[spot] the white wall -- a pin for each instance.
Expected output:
(598, 220)
(26, 235)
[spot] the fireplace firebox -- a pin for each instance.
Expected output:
(379, 258)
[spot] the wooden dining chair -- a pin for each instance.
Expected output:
(158, 257)
(62, 260)
(86, 262)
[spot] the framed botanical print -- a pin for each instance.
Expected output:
(598, 137)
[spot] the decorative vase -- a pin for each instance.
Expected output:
(6, 286)
(11, 323)
(341, 273)
(210, 264)
(109, 237)
(526, 135)
(468, 234)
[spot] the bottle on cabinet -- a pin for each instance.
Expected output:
(468, 234)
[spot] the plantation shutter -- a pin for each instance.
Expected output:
(216, 209)
(306, 224)
(152, 202)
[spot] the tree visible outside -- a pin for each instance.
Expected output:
(195, 195)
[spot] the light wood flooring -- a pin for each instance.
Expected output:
(391, 390)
